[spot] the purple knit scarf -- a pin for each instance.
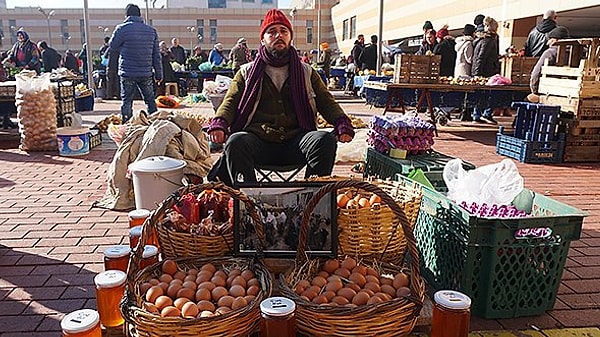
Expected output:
(304, 113)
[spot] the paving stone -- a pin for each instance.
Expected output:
(23, 281)
(85, 292)
(56, 269)
(10, 323)
(587, 272)
(70, 279)
(583, 286)
(587, 260)
(36, 293)
(582, 301)
(13, 307)
(543, 321)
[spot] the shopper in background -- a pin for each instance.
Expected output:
(166, 56)
(24, 53)
(428, 43)
(240, 54)
(177, 50)
(559, 32)
(70, 62)
(445, 48)
(325, 58)
(50, 57)
(216, 57)
(196, 59)
(486, 64)
(358, 47)
(464, 52)
(369, 55)
(537, 40)
(478, 22)
(139, 62)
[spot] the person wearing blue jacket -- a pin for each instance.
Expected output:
(139, 60)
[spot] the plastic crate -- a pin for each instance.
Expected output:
(536, 122)
(85, 103)
(95, 138)
(505, 277)
(530, 151)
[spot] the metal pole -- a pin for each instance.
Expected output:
(147, 13)
(88, 46)
(49, 33)
(380, 40)
(319, 30)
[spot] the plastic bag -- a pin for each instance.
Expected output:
(496, 183)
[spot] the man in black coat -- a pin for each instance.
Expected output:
(368, 57)
(50, 57)
(178, 51)
(537, 40)
(445, 48)
(359, 45)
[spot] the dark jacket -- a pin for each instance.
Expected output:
(178, 53)
(485, 56)
(168, 73)
(137, 44)
(537, 40)
(425, 47)
(50, 59)
(356, 50)
(368, 57)
(70, 62)
(550, 55)
(30, 51)
(446, 49)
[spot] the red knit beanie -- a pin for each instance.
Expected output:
(273, 17)
(442, 32)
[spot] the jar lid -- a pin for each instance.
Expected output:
(117, 251)
(110, 279)
(135, 231)
(149, 251)
(157, 164)
(141, 213)
(277, 306)
(452, 299)
(79, 321)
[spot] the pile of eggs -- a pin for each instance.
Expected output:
(203, 292)
(350, 200)
(349, 284)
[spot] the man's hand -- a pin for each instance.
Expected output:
(217, 136)
(345, 138)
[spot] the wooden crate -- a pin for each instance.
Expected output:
(576, 73)
(582, 143)
(410, 68)
(588, 108)
(518, 69)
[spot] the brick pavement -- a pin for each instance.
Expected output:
(51, 240)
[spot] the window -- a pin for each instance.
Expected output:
(213, 30)
(200, 30)
(353, 27)
(252, 1)
(64, 32)
(267, 1)
(217, 3)
(309, 31)
(345, 30)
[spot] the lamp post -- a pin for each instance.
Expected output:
(67, 39)
(103, 29)
(293, 13)
(48, 15)
(191, 29)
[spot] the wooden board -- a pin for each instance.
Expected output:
(569, 82)
(410, 68)
(583, 108)
(582, 153)
(518, 69)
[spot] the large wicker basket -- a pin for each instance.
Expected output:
(396, 317)
(174, 244)
(240, 322)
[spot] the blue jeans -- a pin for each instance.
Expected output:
(128, 86)
(483, 105)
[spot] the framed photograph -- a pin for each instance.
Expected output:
(281, 206)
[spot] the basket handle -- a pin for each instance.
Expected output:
(172, 199)
(385, 198)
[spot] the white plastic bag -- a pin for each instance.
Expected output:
(491, 184)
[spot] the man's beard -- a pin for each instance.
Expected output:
(278, 53)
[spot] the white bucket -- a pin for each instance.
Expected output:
(73, 141)
(154, 178)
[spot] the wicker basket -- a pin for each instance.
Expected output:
(390, 318)
(174, 244)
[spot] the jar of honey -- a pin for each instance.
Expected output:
(451, 314)
(110, 287)
(81, 323)
(135, 233)
(117, 258)
(137, 217)
(278, 317)
(149, 256)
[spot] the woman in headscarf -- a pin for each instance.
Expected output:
(166, 56)
(24, 53)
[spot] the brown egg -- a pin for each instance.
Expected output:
(192, 271)
(305, 298)
(368, 291)
(364, 203)
(248, 274)
(361, 298)
(187, 293)
(225, 301)
(374, 300)
(219, 292)
(372, 279)
(334, 278)
(239, 280)
(298, 289)
(375, 199)
(169, 267)
(304, 283)
(170, 312)
(237, 291)
(249, 298)
(165, 278)
(203, 294)
(173, 290)
(352, 204)
(190, 284)
(403, 292)
(315, 289)
(388, 289)
(320, 299)
(253, 290)
(154, 281)
(329, 294)
(386, 280)
(189, 277)
(360, 269)
(221, 274)
(373, 286)
(353, 286)
(203, 276)
(358, 279)
(210, 267)
(189, 310)
(253, 282)
(334, 286)
(219, 281)
(340, 300)
(144, 287)
(206, 313)
(331, 265)
(208, 285)
(401, 280)
(319, 281)
(239, 303)
(347, 293)
(178, 303)
(222, 310)
(163, 301)
(150, 307)
(385, 296)
(164, 286)
(309, 294)
(205, 306)
(180, 275)
(323, 274)
(342, 272)
(176, 280)
(371, 271)
(153, 293)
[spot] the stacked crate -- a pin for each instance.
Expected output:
(64, 93)
(574, 84)
(410, 68)
(518, 69)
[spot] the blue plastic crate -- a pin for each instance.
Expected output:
(530, 151)
(537, 122)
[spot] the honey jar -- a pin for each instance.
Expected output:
(137, 217)
(81, 323)
(278, 317)
(451, 314)
(135, 233)
(149, 256)
(110, 287)
(117, 258)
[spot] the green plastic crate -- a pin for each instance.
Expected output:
(505, 277)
